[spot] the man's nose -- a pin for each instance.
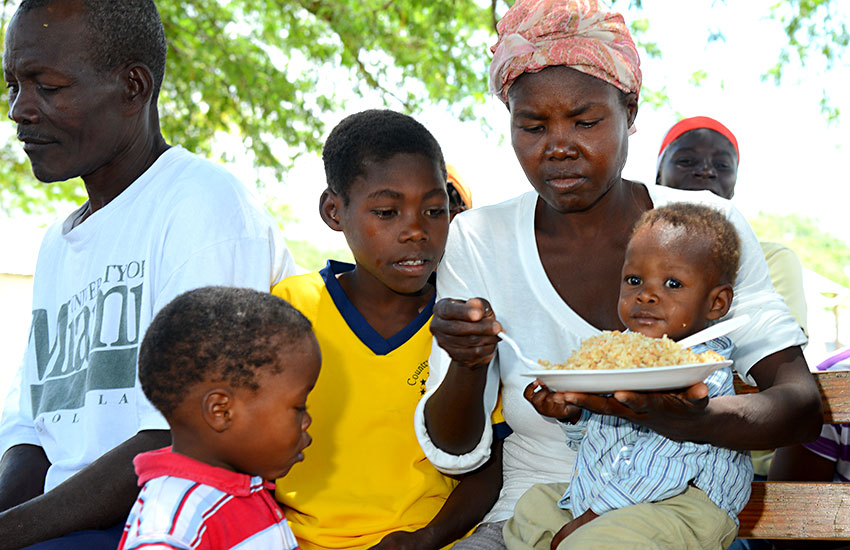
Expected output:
(23, 106)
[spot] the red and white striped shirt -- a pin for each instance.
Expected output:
(186, 504)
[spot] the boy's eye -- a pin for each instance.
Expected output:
(633, 280)
(673, 283)
(437, 212)
(685, 162)
(383, 213)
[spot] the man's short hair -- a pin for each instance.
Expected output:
(121, 32)
(374, 135)
(708, 224)
(216, 334)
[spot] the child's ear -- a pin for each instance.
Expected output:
(218, 409)
(330, 205)
(720, 299)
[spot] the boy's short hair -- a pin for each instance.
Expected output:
(708, 223)
(218, 334)
(374, 135)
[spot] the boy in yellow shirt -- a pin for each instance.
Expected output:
(365, 482)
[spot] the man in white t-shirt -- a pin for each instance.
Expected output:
(83, 79)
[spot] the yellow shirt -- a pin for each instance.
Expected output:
(365, 475)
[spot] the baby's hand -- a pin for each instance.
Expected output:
(466, 330)
(550, 403)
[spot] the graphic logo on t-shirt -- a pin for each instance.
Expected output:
(94, 343)
(419, 377)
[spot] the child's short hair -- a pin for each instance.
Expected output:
(708, 223)
(373, 135)
(217, 334)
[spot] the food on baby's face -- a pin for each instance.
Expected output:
(630, 350)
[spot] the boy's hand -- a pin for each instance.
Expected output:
(407, 540)
(550, 403)
(466, 330)
(572, 526)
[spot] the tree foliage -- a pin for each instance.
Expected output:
(816, 32)
(817, 249)
(267, 71)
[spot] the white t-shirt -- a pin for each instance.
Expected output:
(183, 224)
(492, 253)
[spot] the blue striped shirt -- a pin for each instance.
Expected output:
(620, 463)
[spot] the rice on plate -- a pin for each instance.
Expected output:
(630, 350)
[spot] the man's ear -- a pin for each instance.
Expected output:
(720, 299)
(330, 206)
(217, 408)
(138, 86)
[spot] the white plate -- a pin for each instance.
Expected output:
(611, 380)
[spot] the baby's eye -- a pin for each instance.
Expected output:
(587, 123)
(633, 280)
(673, 283)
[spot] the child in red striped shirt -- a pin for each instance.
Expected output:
(230, 369)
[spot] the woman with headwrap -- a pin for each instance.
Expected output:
(545, 268)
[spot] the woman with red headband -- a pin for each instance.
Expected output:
(545, 267)
(699, 153)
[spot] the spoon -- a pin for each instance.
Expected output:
(714, 331)
(512, 343)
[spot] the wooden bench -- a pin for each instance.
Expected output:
(786, 510)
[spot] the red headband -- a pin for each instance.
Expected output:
(695, 123)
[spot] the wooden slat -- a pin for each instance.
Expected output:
(835, 393)
(780, 510)
(786, 510)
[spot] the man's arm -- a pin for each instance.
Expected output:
(22, 472)
(97, 497)
(787, 409)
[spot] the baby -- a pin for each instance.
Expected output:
(230, 369)
(631, 487)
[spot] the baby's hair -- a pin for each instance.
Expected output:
(708, 223)
(217, 334)
(374, 135)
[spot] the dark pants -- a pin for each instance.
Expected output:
(90, 539)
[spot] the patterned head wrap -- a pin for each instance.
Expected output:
(535, 34)
(697, 123)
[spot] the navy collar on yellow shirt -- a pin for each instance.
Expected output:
(358, 324)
